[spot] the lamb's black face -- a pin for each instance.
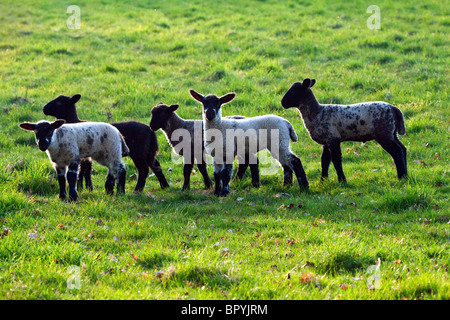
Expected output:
(292, 97)
(160, 116)
(211, 106)
(61, 106)
(298, 94)
(211, 103)
(43, 131)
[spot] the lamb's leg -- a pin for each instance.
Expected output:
(81, 175)
(336, 158)
(156, 168)
(142, 168)
(325, 162)
(299, 171)
(242, 167)
(187, 170)
(109, 184)
(226, 175)
(61, 172)
(202, 168)
(254, 170)
(87, 175)
(404, 154)
(396, 152)
(121, 178)
(287, 175)
(72, 174)
(217, 178)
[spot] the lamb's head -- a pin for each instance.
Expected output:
(43, 131)
(62, 106)
(212, 103)
(299, 94)
(160, 115)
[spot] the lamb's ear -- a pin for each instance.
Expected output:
(197, 96)
(58, 123)
(28, 126)
(75, 98)
(227, 98)
(173, 107)
(308, 83)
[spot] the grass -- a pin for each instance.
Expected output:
(268, 243)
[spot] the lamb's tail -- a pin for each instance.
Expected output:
(400, 121)
(125, 149)
(292, 133)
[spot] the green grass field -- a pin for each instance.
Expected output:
(255, 243)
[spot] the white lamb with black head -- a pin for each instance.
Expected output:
(331, 124)
(66, 144)
(246, 137)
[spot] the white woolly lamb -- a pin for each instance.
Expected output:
(66, 144)
(226, 138)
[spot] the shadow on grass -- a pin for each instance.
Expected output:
(156, 261)
(199, 276)
(346, 262)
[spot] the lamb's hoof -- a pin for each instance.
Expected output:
(208, 186)
(403, 176)
(138, 190)
(186, 188)
(224, 192)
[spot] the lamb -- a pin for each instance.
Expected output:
(165, 118)
(141, 141)
(229, 136)
(66, 144)
(330, 124)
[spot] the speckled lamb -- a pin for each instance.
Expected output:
(330, 124)
(66, 144)
(141, 141)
